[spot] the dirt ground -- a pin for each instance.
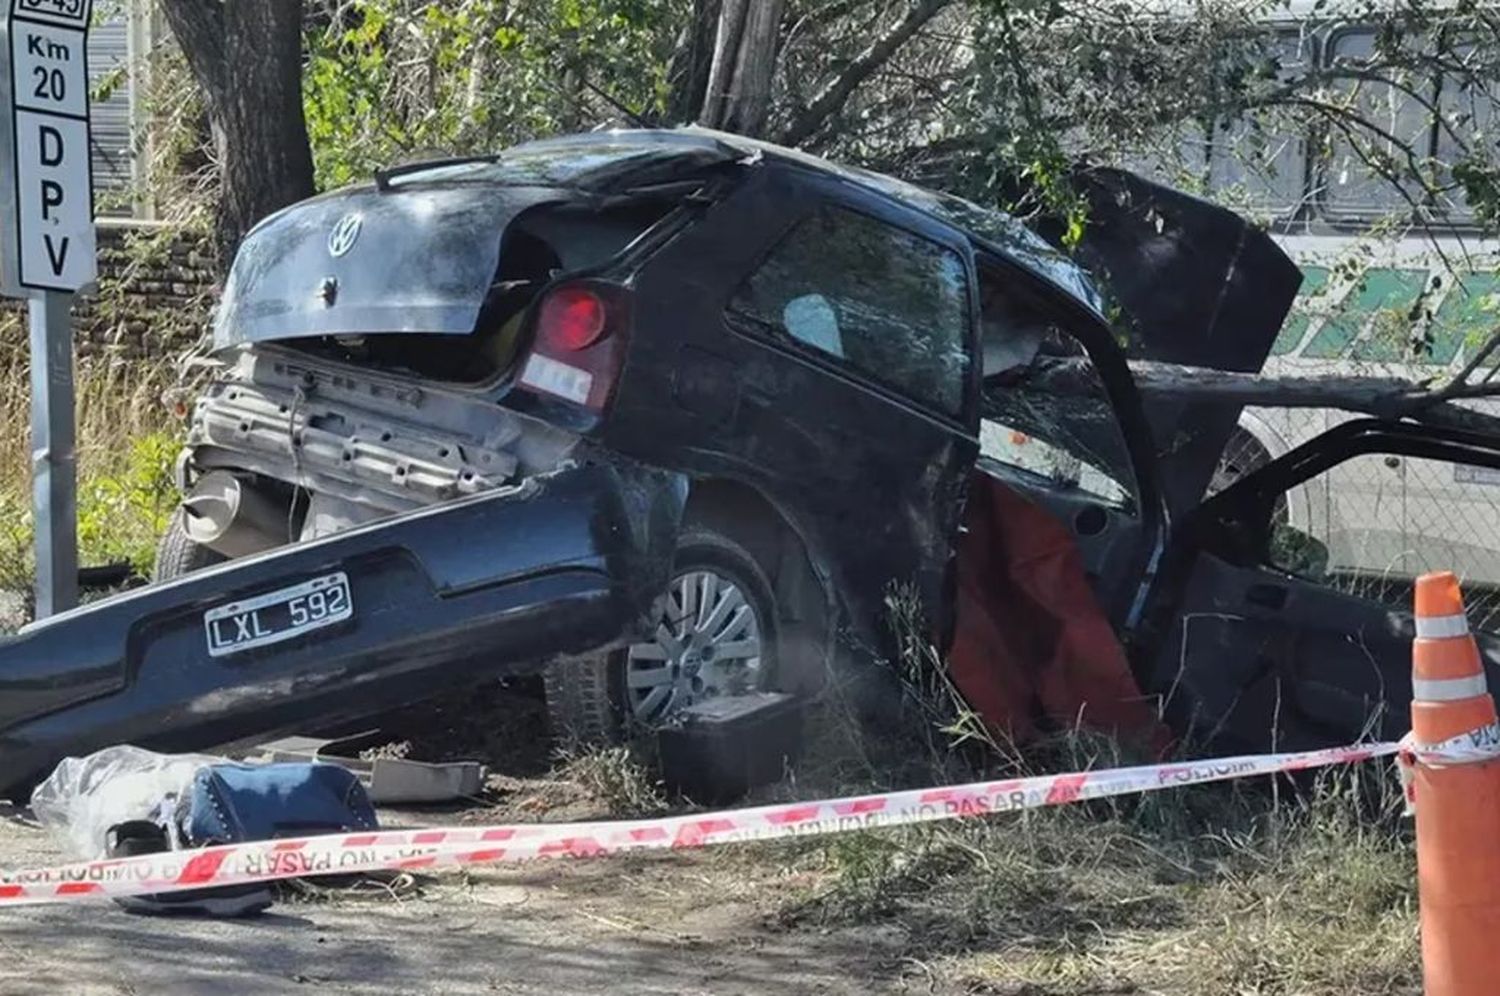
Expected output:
(1210, 890)
(643, 924)
(694, 923)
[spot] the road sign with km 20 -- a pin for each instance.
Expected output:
(49, 210)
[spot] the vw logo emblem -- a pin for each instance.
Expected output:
(344, 235)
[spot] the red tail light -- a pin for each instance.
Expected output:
(578, 344)
(571, 319)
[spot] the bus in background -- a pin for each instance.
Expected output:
(1413, 303)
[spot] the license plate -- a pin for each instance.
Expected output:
(278, 615)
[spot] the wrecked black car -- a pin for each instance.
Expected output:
(662, 415)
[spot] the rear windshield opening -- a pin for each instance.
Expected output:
(537, 247)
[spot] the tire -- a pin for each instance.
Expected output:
(593, 700)
(581, 708)
(177, 554)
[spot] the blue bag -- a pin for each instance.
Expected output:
(229, 803)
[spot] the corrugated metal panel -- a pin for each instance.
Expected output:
(110, 118)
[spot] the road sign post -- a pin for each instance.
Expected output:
(53, 463)
(47, 252)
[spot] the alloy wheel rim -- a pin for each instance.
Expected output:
(706, 644)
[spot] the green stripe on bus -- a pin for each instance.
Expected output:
(1468, 312)
(1379, 290)
(1314, 279)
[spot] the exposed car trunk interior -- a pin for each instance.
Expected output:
(287, 448)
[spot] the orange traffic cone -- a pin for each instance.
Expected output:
(1457, 802)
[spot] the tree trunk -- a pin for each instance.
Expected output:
(246, 55)
(1383, 397)
(739, 80)
(1387, 397)
(692, 60)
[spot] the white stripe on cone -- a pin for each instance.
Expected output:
(1448, 689)
(1442, 627)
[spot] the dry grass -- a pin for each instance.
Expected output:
(119, 401)
(1203, 891)
(127, 440)
(1265, 888)
(616, 778)
(1272, 887)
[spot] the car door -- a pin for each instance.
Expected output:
(1062, 425)
(814, 341)
(1283, 616)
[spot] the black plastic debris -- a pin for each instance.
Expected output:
(724, 747)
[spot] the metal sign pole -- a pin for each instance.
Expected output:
(53, 461)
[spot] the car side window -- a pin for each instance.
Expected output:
(888, 303)
(1044, 410)
(1372, 524)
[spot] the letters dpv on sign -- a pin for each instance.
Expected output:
(54, 215)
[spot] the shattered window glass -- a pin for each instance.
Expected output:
(886, 302)
(1044, 410)
(1372, 524)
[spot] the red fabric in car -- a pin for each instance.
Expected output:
(1031, 644)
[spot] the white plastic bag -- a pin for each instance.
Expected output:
(85, 796)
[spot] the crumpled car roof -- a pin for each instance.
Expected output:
(987, 226)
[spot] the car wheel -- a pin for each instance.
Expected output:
(712, 634)
(177, 554)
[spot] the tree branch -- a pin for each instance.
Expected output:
(1386, 397)
(1458, 383)
(836, 93)
(1383, 397)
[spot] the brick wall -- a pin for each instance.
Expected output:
(154, 293)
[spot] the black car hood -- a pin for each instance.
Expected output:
(1195, 284)
(416, 258)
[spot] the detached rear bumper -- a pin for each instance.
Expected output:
(489, 585)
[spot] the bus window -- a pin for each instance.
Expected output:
(1352, 187)
(1470, 110)
(1176, 155)
(1266, 160)
(1269, 170)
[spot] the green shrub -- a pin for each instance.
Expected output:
(125, 498)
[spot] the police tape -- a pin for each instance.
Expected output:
(1473, 747)
(430, 849)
